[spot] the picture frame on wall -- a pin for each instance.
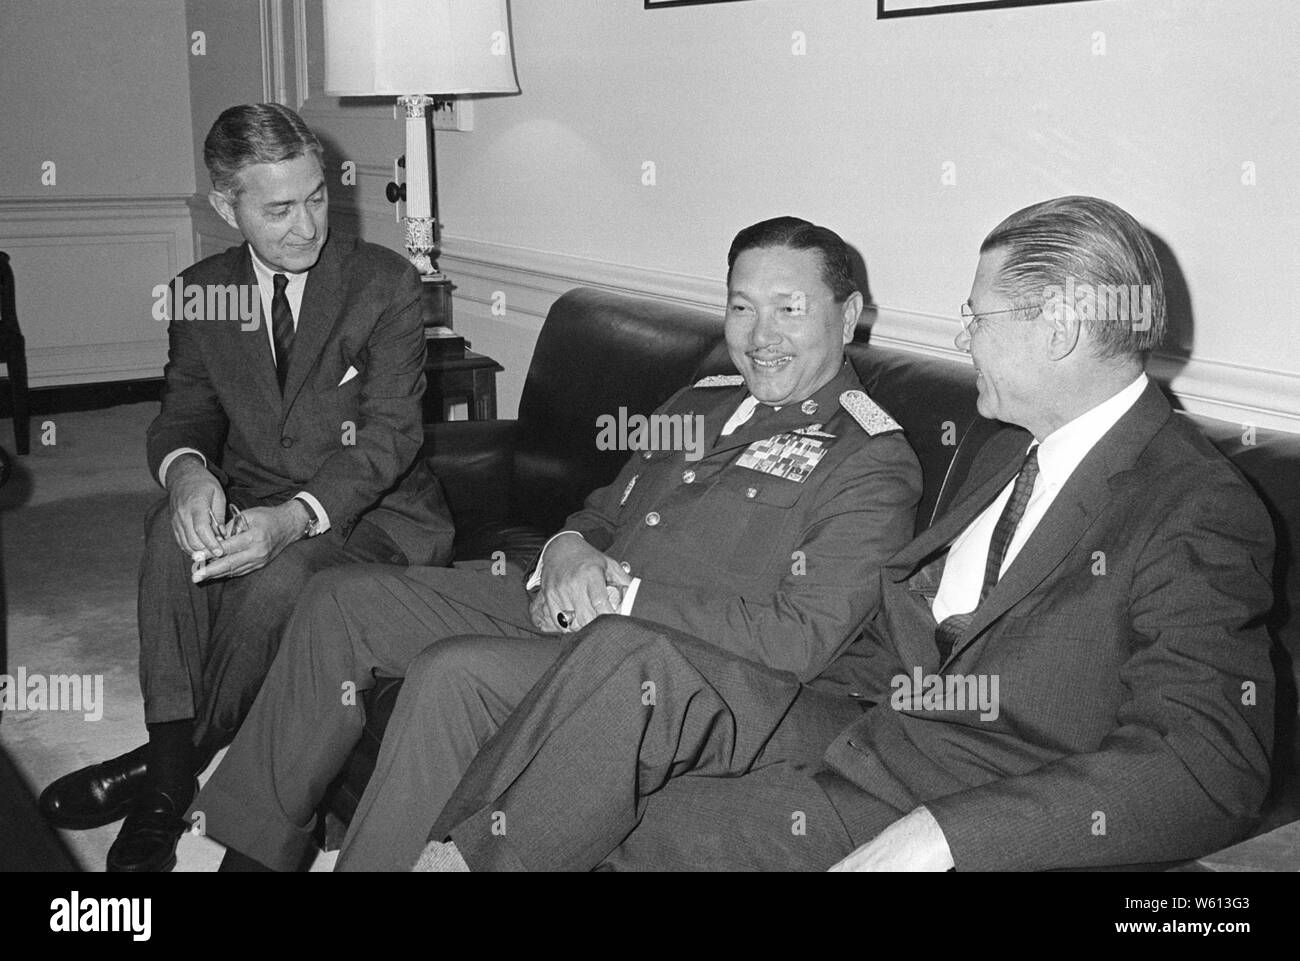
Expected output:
(890, 9)
(656, 4)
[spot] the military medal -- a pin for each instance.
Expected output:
(790, 456)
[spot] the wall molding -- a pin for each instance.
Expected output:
(97, 207)
(85, 268)
(283, 26)
(532, 279)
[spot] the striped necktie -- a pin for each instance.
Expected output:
(281, 328)
(952, 627)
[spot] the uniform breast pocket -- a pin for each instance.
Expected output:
(756, 513)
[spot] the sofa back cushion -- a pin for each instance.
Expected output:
(931, 397)
(598, 351)
(1270, 460)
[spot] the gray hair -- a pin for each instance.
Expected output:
(255, 133)
(1096, 252)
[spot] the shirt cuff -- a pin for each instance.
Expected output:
(322, 518)
(535, 579)
(629, 597)
(167, 461)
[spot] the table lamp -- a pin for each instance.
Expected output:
(418, 51)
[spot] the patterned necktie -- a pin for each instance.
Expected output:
(953, 626)
(281, 328)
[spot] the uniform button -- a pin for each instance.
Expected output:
(652, 519)
(752, 493)
(688, 477)
(286, 442)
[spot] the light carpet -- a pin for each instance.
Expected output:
(71, 535)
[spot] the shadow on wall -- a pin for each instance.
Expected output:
(860, 275)
(1180, 333)
(345, 199)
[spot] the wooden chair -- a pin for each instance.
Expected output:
(13, 354)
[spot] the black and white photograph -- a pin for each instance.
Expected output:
(747, 436)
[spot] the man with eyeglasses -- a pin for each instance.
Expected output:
(1103, 574)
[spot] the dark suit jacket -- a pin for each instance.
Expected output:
(1135, 688)
(353, 446)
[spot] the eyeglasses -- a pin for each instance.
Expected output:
(970, 319)
(237, 524)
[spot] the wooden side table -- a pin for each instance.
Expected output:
(460, 386)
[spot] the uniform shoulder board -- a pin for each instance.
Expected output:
(720, 380)
(869, 415)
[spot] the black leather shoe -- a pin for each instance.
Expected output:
(96, 795)
(147, 841)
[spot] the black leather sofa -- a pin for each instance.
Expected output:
(511, 483)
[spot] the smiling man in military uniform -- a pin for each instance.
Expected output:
(767, 546)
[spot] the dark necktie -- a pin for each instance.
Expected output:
(281, 328)
(953, 626)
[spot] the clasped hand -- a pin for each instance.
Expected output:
(578, 580)
(197, 500)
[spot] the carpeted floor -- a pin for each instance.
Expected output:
(71, 533)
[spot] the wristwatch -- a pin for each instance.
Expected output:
(313, 522)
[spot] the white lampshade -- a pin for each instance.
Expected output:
(399, 47)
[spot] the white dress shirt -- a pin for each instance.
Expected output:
(1058, 455)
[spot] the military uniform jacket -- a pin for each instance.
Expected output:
(769, 544)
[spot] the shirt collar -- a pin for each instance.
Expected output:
(1064, 448)
(845, 379)
(266, 276)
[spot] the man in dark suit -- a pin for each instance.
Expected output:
(1069, 668)
(784, 491)
(287, 443)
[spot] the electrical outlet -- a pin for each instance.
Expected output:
(453, 115)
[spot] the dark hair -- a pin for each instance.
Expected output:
(796, 234)
(1070, 242)
(255, 133)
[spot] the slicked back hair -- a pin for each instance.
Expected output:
(1067, 243)
(797, 234)
(255, 133)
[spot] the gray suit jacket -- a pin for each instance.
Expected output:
(1135, 689)
(354, 446)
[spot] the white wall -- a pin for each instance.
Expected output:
(100, 90)
(546, 192)
(855, 134)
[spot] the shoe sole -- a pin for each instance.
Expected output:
(166, 866)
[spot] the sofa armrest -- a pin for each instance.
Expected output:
(474, 460)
